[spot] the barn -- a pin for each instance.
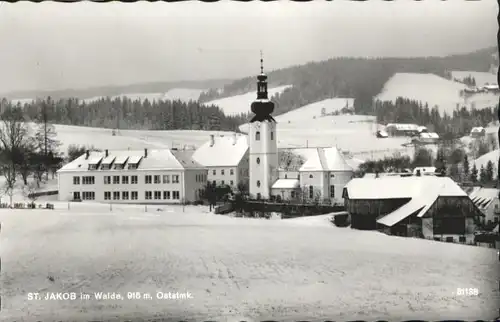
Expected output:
(414, 206)
(401, 129)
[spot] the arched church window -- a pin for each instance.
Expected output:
(311, 192)
(272, 136)
(258, 183)
(310, 176)
(257, 136)
(258, 160)
(286, 177)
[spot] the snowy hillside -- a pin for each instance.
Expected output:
(434, 90)
(235, 269)
(490, 156)
(305, 127)
(241, 103)
(480, 77)
(134, 139)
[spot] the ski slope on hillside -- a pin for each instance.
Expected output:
(480, 77)
(434, 90)
(235, 269)
(241, 103)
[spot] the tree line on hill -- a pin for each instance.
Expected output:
(460, 123)
(359, 78)
(124, 113)
(26, 150)
(449, 161)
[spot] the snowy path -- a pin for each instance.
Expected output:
(235, 268)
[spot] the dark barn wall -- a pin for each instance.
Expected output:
(449, 215)
(365, 212)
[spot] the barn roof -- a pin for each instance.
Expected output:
(423, 192)
(397, 187)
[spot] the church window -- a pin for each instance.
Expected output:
(258, 160)
(310, 176)
(272, 136)
(258, 183)
(286, 177)
(257, 136)
(311, 192)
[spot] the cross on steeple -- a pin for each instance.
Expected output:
(261, 63)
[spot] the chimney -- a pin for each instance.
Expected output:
(212, 140)
(107, 153)
(235, 138)
(87, 154)
(145, 153)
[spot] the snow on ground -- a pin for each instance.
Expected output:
(490, 156)
(434, 90)
(310, 111)
(481, 77)
(235, 268)
(241, 103)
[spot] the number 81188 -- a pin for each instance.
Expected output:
(467, 291)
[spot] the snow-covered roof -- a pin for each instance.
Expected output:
(121, 159)
(162, 159)
(423, 192)
(429, 135)
(424, 170)
(109, 159)
(477, 129)
(226, 151)
(326, 159)
(403, 126)
(397, 187)
(94, 159)
(286, 184)
(483, 197)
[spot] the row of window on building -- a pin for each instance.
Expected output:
(257, 136)
(148, 195)
(148, 179)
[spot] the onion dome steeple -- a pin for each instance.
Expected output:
(262, 107)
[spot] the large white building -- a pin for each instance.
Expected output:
(149, 176)
(226, 159)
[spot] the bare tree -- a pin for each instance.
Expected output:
(13, 139)
(290, 161)
(45, 136)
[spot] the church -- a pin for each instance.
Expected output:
(256, 158)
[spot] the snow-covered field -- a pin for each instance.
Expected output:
(129, 139)
(241, 103)
(434, 90)
(236, 269)
(480, 77)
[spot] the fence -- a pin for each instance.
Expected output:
(288, 210)
(43, 193)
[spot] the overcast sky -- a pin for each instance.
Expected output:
(58, 46)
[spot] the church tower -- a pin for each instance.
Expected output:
(262, 139)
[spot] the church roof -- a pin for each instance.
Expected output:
(326, 159)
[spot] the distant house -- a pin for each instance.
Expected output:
(421, 206)
(478, 132)
(324, 174)
(427, 138)
(149, 176)
(490, 88)
(226, 159)
(425, 170)
(401, 129)
(486, 199)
